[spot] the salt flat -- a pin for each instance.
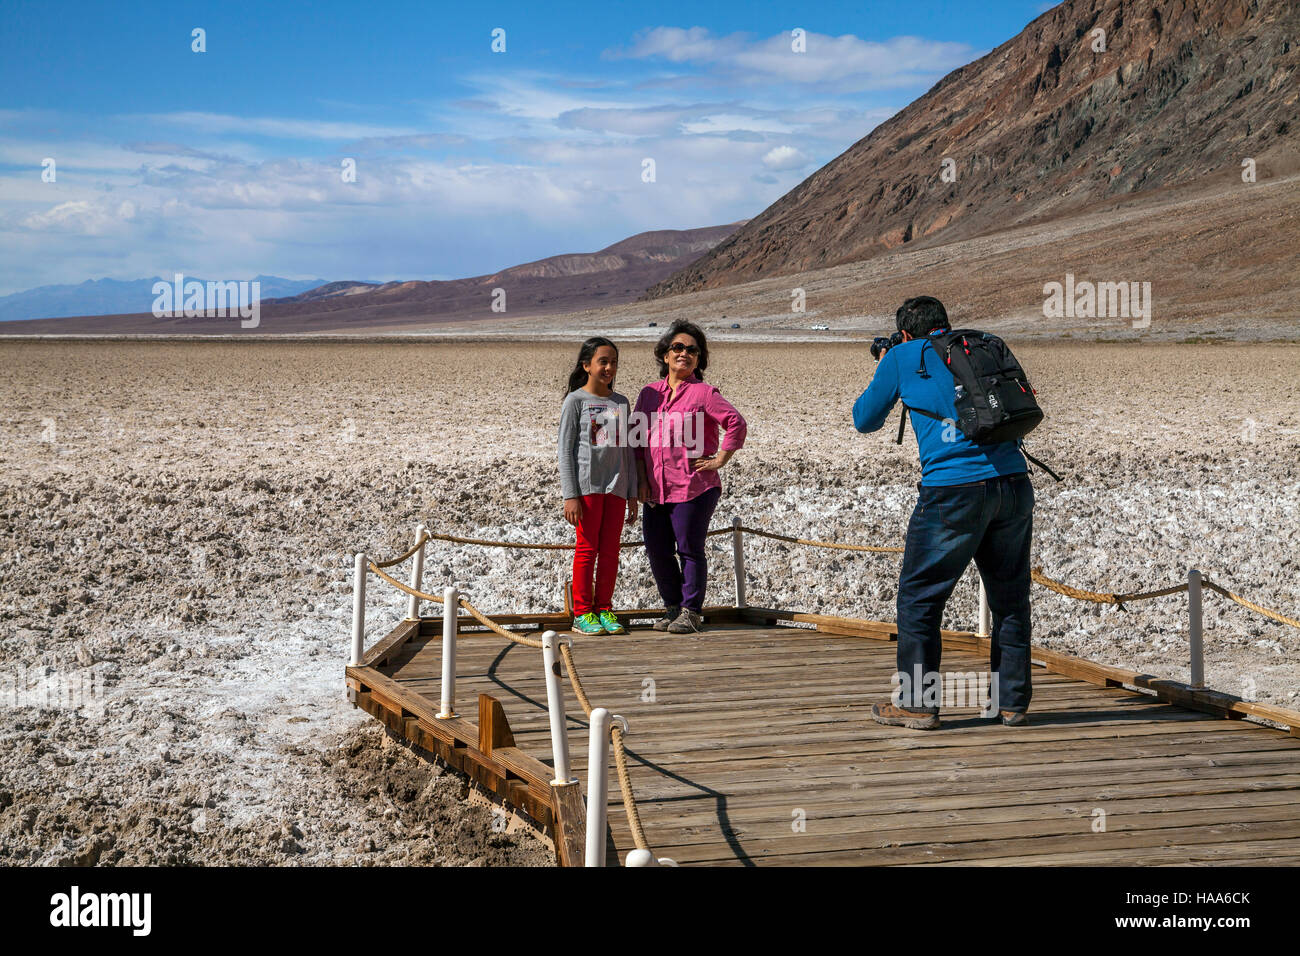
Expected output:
(180, 517)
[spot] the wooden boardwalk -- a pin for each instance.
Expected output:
(751, 744)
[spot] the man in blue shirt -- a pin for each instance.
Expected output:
(975, 501)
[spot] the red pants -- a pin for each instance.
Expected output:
(596, 555)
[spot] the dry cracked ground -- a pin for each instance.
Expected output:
(177, 523)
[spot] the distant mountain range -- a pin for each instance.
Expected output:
(1094, 101)
(114, 297)
(564, 283)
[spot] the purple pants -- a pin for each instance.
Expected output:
(678, 530)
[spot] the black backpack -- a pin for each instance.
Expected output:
(995, 402)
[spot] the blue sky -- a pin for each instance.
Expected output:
(227, 163)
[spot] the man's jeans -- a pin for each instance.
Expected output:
(990, 521)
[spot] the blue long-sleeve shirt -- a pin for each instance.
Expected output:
(947, 456)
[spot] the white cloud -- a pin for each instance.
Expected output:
(646, 121)
(785, 157)
(80, 217)
(284, 128)
(845, 62)
(728, 122)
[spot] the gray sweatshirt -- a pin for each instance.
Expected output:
(591, 460)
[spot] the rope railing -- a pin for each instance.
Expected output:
(1273, 615)
(496, 628)
(561, 546)
(836, 546)
(1078, 594)
(620, 752)
(419, 543)
(413, 592)
(1100, 597)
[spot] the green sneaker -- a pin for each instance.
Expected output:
(588, 624)
(610, 623)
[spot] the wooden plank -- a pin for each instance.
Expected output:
(380, 653)
(526, 766)
(453, 739)
(1203, 699)
(843, 625)
(867, 815)
(1284, 852)
(493, 729)
(570, 823)
(784, 839)
(1182, 837)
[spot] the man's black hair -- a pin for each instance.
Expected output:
(921, 315)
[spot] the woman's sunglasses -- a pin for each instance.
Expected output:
(680, 347)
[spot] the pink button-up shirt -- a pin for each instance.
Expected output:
(667, 449)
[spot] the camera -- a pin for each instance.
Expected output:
(880, 344)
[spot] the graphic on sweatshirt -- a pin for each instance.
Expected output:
(604, 426)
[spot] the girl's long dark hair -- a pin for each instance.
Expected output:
(676, 329)
(578, 377)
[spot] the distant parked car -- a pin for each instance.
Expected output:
(735, 325)
(652, 325)
(821, 328)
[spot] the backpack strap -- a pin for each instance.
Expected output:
(902, 421)
(922, 411)
(1039, 463)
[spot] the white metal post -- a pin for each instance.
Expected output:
(449, 608)
(358, 608)
(1194, 633)
(555, 704)
(417, 577)
(597, 786)
(738, 558)
(986, 616)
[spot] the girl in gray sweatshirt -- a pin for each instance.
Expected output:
(598, 479)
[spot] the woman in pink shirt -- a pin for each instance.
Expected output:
(677, 466)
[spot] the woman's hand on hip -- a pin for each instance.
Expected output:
(714, 462)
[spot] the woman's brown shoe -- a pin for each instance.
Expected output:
(1013, 718)
(898, 717)
(670, 614)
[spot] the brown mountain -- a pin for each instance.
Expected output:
(564, 283)
(1041, 127)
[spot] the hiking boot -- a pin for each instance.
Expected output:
(670, 615)
(898, 717)
(610, 623)
(688, 622)
(588, 624)
(1013, 718)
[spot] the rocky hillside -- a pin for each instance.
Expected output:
(564, 283)
(617, 273)
(1045, 125)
